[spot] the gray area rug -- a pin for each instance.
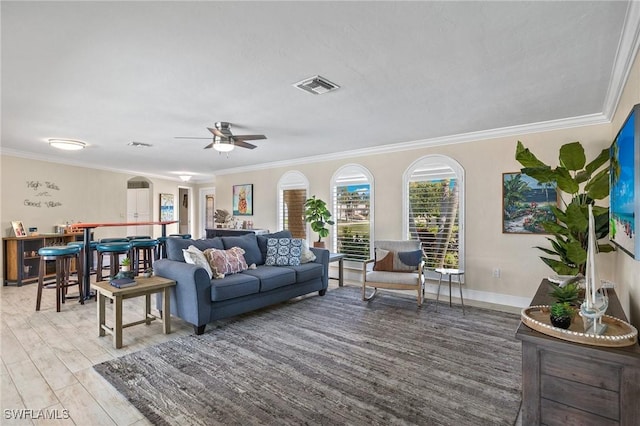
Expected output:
(333, 360)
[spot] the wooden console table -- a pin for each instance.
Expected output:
(226, 232)
(21, 260)
(572, 383)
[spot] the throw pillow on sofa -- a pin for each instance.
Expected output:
(307, 255)
(194, 256)
(224, 262)
(283, 251)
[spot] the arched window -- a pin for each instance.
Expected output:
(352, 193)
(292, 193)
(434, 209)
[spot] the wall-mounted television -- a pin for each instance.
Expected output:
(624, 168)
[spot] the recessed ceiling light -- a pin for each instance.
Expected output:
(67, 144)
(139, 144)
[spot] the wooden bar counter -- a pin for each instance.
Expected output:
(578, 384)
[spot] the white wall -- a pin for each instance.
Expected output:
(82, 195)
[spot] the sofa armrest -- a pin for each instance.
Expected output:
(322, 257)
(192, 291)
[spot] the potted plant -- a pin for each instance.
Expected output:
(317, 214)
(148, 273)
(125, 264)
(569, 293)
(584, 184)
(561, 314)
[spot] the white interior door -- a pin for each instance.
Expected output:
(139, 210)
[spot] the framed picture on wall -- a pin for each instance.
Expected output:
(243, 200)
(18, 229)
(526, 203)
(166, 207)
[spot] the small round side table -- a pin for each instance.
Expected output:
(450, 273)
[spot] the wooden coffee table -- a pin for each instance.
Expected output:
(144, 287)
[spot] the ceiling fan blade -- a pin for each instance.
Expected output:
(190, 137)
(243, 144)
(209, 146)
(249, 137)
(217, 133)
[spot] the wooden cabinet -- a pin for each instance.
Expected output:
(571, 383)
(21, 260)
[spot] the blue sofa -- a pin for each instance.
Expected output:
(199, 300)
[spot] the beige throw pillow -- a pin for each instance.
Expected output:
(195, 256)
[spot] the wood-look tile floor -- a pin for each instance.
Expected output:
(46, 359)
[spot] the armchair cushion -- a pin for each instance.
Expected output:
(397, 261)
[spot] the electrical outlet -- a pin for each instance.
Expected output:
(496, 272)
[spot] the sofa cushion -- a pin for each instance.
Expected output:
(176, 245)
(307, 271)
(283, 251)
(262, 241)
(232, 286)
(272, 277)
(307, 255)
(226, 262)
(248, 243)
(194, 256)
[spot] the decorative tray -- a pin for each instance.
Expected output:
(617, 334)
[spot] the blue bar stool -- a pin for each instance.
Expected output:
(62, 255)
(92, 247)
(142, 251)
(114, 250)
(161, 249)
(185, 236)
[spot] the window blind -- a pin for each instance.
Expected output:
(292, 211)
(434, 216)
(352, 207)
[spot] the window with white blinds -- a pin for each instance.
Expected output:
(292, 193)
(352, 187)
(434, 213)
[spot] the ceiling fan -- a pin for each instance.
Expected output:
(224, 140)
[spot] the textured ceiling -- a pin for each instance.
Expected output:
(109, 73)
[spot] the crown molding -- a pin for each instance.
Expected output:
(67, 162)
(626, 54)
(545, 126)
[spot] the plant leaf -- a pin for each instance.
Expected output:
(565, 181)
(576, 218)
(598, 186)
(572, 156)
(598, 161)
(541, 174)
(526, 157)
(559, 267)
(575, 253)
(605, 248)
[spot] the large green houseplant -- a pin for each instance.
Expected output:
(317, 214)
(584, 183)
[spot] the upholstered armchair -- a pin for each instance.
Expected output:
(397, 265)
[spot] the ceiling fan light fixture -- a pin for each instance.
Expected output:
(67, 144)
(221, 146)
(185, 178)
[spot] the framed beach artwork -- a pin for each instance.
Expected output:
(526, 203)
(18, 228)
(243, 200)
(166, 207)
(624, 194)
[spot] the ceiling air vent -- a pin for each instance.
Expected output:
(317, 85)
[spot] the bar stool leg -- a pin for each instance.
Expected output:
(59, 278)
(99, 267)
(43, 265)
